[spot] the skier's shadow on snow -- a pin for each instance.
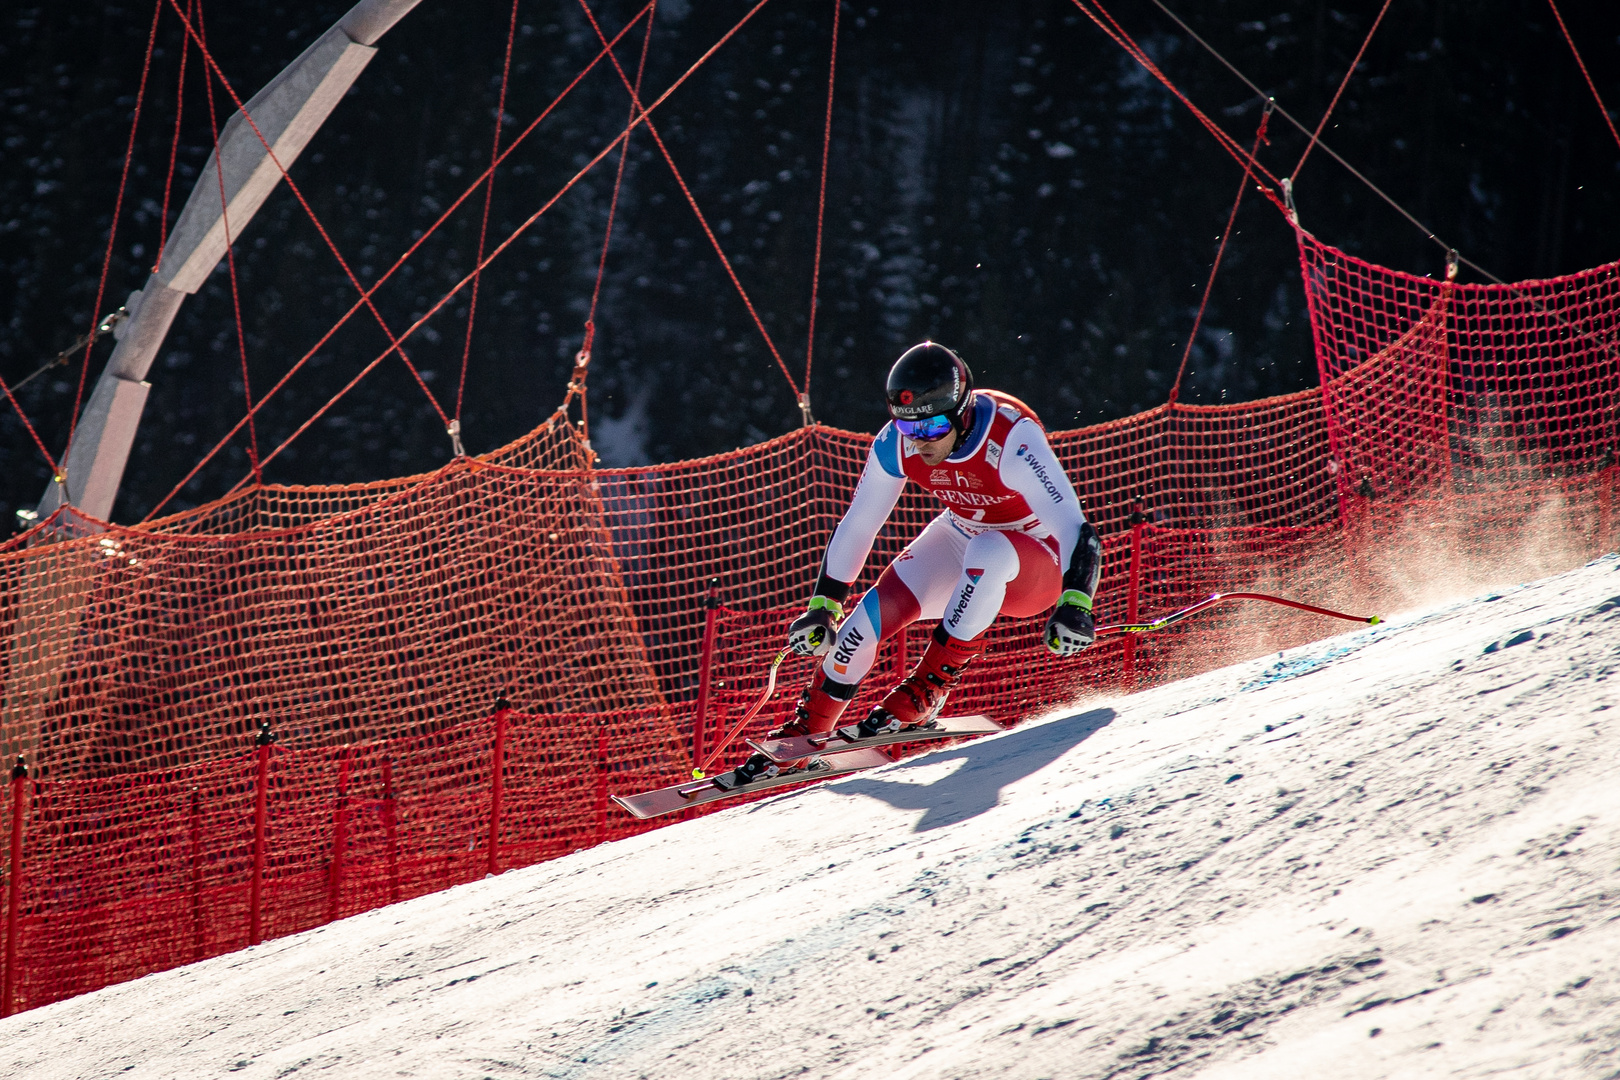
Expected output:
(988, 767)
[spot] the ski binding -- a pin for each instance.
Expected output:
(836, 740)
(667, 800)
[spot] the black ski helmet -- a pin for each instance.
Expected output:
(930, 380)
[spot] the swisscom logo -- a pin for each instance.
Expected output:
(1040, 472)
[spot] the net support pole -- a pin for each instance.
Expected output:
(1133, 589)
(900, 658)
(196, 876)
(340, 842)
(19, 780)
(261, 830)
(601, 781)
(711, 612)
(1605, 523)
(288, 112)
(497, 783)
(390, 818)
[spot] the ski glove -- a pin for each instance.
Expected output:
(812, 633)
(1070, 628)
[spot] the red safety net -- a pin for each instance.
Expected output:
(1460, 432)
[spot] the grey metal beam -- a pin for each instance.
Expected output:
(287, 112)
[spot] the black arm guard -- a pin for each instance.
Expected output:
(812, 633)
(832, 589)
(1085, 565)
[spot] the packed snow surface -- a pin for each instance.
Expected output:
(1390, 853)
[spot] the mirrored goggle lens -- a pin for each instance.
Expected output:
(925, 430)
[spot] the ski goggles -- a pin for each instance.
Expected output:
(927, 429)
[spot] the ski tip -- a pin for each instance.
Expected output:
(1375, 620)
(627, 807)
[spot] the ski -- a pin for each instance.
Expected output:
(836, 740)
(667, 800)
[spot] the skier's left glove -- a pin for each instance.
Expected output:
(812, 633)
(1071, 628)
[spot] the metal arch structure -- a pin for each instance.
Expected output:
(288, 112)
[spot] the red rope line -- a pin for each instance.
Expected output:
(365, 296)
(400, 261)
(1227, 143)
(1584, 73)
(56, 470)
(624, 153)
(489, 195)
(1215, 268)
(821, 207)
(582, 361)
(112, 230)
(1326, 149)
(692, 202)
(618, 183)
(1344, 82)
(509, 241)
(230, 262)
(174, 145)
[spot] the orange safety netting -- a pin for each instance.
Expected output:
(1457, 428)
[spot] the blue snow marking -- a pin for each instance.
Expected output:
(1293, 669)
(886, 449)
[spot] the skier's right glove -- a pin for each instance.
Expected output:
(1071, 628)
(812, 633)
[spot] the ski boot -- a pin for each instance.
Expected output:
(921, 695)
(818, 709)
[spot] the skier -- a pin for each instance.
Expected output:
(1012, 539)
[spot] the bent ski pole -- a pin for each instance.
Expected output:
(770, 688)
(1216, 598)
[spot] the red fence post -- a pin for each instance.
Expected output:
(497, 783)
(601, 780)
(711, 610)
(19, 777)
(261, 826)
(196, 876)
(1134, 588)
(391, 829)
(900, 671)
(340, 840)
(1606, 507)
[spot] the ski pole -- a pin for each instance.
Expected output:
(1216, 598)
(770, 688)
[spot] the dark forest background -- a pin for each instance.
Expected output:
(1003, 179)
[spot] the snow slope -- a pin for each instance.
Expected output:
(1391, 853)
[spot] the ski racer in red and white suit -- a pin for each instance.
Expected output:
(1012, 539)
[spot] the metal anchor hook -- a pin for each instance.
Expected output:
(582, 359)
